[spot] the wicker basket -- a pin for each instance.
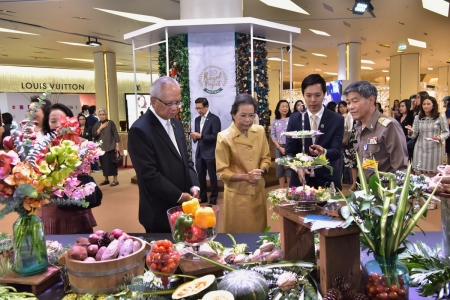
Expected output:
(103, 277)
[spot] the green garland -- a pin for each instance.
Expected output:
(179, 70)
(261, 80)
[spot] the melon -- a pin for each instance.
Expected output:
(218, 295)
(196, 288)
(245, 285)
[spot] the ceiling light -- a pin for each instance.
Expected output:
(318, 70)
(330, 73)
(319, 32)
(361, 6)
(16, 31)
(366, 68)
(385, 71)
(73, 44)
(431, 69)
(437, 6)
(285, 4)
(80, 59)
(92, 41)
(319, 54)
(417, 43)
(298, 65)
(401, 47)
(365, 61)
(399, 51)
(137, 17)
(384, 45)
(275, 59)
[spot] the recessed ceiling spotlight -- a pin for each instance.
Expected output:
(73, 44)
(16, 31)
(384, 45)
(330, 73)
(92, 41)
(275, 59)
(79, 59)
(399, 51)
(319, 54)
(417, 43)
(431, 69)
(7, 11)
(385, 71)
(285, 4)
(366, 68)
(318, 70)
(319, 32)
(298, 65)
(437, 6)
(365, 61)
(137, 17)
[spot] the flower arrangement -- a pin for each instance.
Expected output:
(302, 160)
(35, 173)
(304, 133)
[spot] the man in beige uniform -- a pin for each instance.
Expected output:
(379, 137)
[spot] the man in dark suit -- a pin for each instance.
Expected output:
(157, 146)
(329, 123)
(207, 126)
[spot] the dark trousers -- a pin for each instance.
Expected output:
(202, 166)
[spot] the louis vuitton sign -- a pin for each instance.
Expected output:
(52, 86)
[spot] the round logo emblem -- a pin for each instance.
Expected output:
(212, 79)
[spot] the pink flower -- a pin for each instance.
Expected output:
(6, 160)
(89, 188)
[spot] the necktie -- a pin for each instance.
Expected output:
(202, 122)
(169, 130)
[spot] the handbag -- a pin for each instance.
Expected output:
(346, 139)
(94, 199)
(118, 159)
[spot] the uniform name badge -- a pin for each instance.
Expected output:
(369, 164)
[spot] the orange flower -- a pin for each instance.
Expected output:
(21, 174)
(34, 204)
(6, 189)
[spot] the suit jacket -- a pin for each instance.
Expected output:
(87, 133)
(206, 146)
(332, 125)
(162, 173)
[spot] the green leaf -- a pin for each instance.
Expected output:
(345, 212)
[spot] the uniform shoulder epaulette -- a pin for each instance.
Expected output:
(383, 121)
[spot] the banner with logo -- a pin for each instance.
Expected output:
(212, 74)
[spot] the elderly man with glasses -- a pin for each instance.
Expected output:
(157, 146)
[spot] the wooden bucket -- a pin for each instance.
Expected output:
(103, 277)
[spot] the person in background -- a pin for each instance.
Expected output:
(279, 125)
(430, 128)
(242, 157)
(86, 131)
(106, 131)
(332, 106)
(207, 126)
(379, 137)
(92, 118)
(329, 143)
(446, 101)
(298, 106)
(379, 108)
(7, 120)
(40, 109)
(419, 99)
(59, 220)
(157, 145)
(395, 113)
(405, 118)
(85, 110)
(349, 153)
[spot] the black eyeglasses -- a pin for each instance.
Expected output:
(170, 104)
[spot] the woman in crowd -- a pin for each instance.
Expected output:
(298, 106)
(395, 113)
(332, 106)
(378, 106)
(431, 129)
(348, 146)
(279, 125)
(86, 131)
(40, 109)
(7, 120)
(418, 102)
(406, 118)
(106, 131)
(66, 220)
(242, 157)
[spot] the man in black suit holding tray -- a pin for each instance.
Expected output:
(317, 117)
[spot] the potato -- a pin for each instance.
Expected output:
(92, 250)
(126, 249)
(126, 236)
(111, 251)
(136, 246)
(77, 252)
(93, 238)
(82, 241)
(121, 240)
(89, 259)
(98, 256)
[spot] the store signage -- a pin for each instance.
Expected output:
(212, 79)
(52, 86)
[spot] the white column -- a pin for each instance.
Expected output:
(404, 76)
(106, 92)
(349, 61)
(208, 9)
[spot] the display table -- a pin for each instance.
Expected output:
(57, 290)
(339, 248)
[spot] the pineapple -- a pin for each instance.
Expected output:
(333, 294)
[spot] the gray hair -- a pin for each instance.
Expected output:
(102, 109)
(159, 84)
(364, 88)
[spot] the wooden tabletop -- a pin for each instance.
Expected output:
(299, 218)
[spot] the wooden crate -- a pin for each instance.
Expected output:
(35, 283)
